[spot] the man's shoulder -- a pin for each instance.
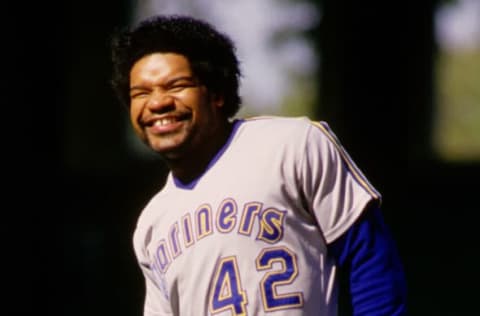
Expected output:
(271, 133)
(276, 119)
(157, 200)
(277, 123)
(287, 131)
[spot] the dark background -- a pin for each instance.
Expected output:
(67, 236)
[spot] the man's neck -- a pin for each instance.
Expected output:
(189, 167)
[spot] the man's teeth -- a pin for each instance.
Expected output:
(163, 121)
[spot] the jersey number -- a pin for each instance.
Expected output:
(228, 293)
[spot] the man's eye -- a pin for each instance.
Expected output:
(181, 86)
(178, 87)
(138, 95)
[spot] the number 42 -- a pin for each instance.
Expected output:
(228, 293)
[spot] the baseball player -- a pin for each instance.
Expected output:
(258, 216)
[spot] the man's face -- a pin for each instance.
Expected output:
(169, 109)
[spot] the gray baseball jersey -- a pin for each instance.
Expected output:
(249, 236)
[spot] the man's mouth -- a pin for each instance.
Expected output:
(164, 121)
(167, 124)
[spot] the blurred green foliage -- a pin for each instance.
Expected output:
(457, 128)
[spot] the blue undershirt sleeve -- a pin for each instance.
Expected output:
(370, 266)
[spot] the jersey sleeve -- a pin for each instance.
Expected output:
(370, 263)
(156, 303)
(335, 189)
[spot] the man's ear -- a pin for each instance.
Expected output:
(218, 100)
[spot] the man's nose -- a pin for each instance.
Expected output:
(159, 101)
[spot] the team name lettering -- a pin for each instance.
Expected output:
(204, 222)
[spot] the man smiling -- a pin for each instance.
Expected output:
(264, 215)
(175, 114)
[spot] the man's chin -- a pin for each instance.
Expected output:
(170, 151)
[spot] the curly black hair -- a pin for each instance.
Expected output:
(211, 54)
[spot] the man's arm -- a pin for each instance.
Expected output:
(370, 266)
